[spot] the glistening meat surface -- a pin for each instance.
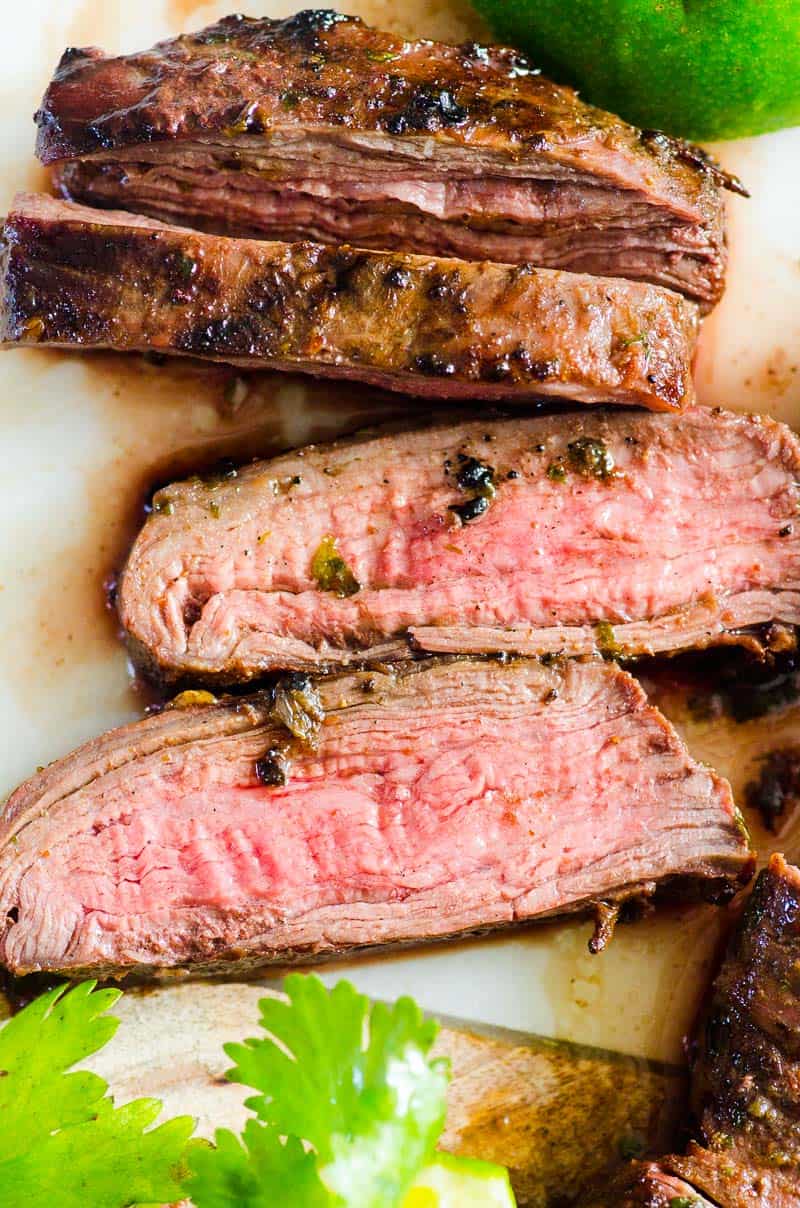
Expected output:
(320, 127)
(438, 799)
(80, 278)
(623, 532)
(746, 1076)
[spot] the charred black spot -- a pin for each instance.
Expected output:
(434, 365)
(13, 914)
(233, 336)
(429, 109)
(470, 510)
(398, 278)
(344, 269)
(474, 475)
(97, 137)
(660, 144)
(224, 31)
(273, 769)
(539, 371)
(438, 289)
(313, 20)
(499, 370)
(221, 471)
(303, 29)
(656, 140)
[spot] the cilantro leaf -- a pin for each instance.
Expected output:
(63, 1141)
(260, 1173)
(352, 1080)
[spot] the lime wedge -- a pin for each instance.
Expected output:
(450, 1182)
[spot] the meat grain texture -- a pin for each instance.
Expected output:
(80, 278)
(435, 800)
(320, 127)
(620, 532)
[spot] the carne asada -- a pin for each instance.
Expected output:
(437, 799)
(745, 1088)
(621, 532)
(80, 278)
(320, 127)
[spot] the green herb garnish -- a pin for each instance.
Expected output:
(606, 640)
(349, 1108)
(590, 457)
(355, 1082)
(331, 572)
(63, 1142)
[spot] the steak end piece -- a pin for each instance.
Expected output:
(746, 1072)
(435, 799)
(320, 127)
(746, 1079)
(571, 533)
(80, 278)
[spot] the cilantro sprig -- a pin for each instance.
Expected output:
(351, 1088)
(348, 1110)
(62, 1139)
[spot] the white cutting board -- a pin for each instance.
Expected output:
(83, 437)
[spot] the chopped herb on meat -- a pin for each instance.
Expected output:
(331, 572)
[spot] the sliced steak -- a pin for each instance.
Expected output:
(621, 532)
(80, 278)
(320, 127)
(434, 800)
(746, 1076)
(746, 1082)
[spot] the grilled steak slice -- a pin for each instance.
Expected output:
(320, 127)
(746, 1083)
(746, 1077)
(438, 799)
(77, 277)
(621, 532)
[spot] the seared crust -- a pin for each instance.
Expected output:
(746, 1073)
(470, 108)
(746, 1081)
(80, 278)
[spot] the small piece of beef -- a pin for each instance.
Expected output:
(776, 791)
(437, 799)
(320, 127)
(746, 1079)
(617, 531)
(80, 278)
(746, 1075)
